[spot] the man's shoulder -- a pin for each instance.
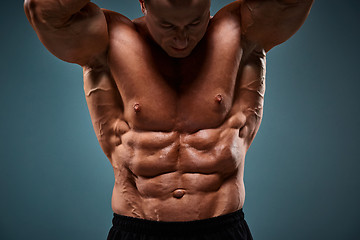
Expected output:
(121, 28)
(115, 20)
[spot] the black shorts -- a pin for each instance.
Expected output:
(231, 226)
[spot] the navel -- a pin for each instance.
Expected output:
(178, 193)
(137, 107)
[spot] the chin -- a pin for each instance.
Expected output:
(179, 53)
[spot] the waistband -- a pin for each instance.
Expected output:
(137, 225)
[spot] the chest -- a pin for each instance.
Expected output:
(163, 94)
(161, 108)
(188, 102)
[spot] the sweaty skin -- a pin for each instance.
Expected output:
(175, 116)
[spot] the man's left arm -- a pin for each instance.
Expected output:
(268, 23)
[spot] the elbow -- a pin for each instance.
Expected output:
(39, 12)
(30, 7)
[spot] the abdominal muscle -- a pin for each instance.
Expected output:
(172, 176)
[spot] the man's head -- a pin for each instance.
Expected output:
(176, 25)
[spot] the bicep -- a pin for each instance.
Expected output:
(78, 39)
(269, 23)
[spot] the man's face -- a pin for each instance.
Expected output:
(177, 25)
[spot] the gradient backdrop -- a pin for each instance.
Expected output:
(302, 171)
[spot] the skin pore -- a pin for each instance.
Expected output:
(176, 26)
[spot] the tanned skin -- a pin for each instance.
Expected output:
(175, 97)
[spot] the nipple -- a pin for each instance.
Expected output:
(218, 98)
(137, 107)
(178, 193)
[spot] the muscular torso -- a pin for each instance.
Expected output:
(176, 131)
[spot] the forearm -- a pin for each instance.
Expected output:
(271, 22)
(73, 30)
(55, 12)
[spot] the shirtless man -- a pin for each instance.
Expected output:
(176, 98)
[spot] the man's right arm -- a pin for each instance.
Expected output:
(73, 30)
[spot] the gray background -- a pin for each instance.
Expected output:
(302, 171)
